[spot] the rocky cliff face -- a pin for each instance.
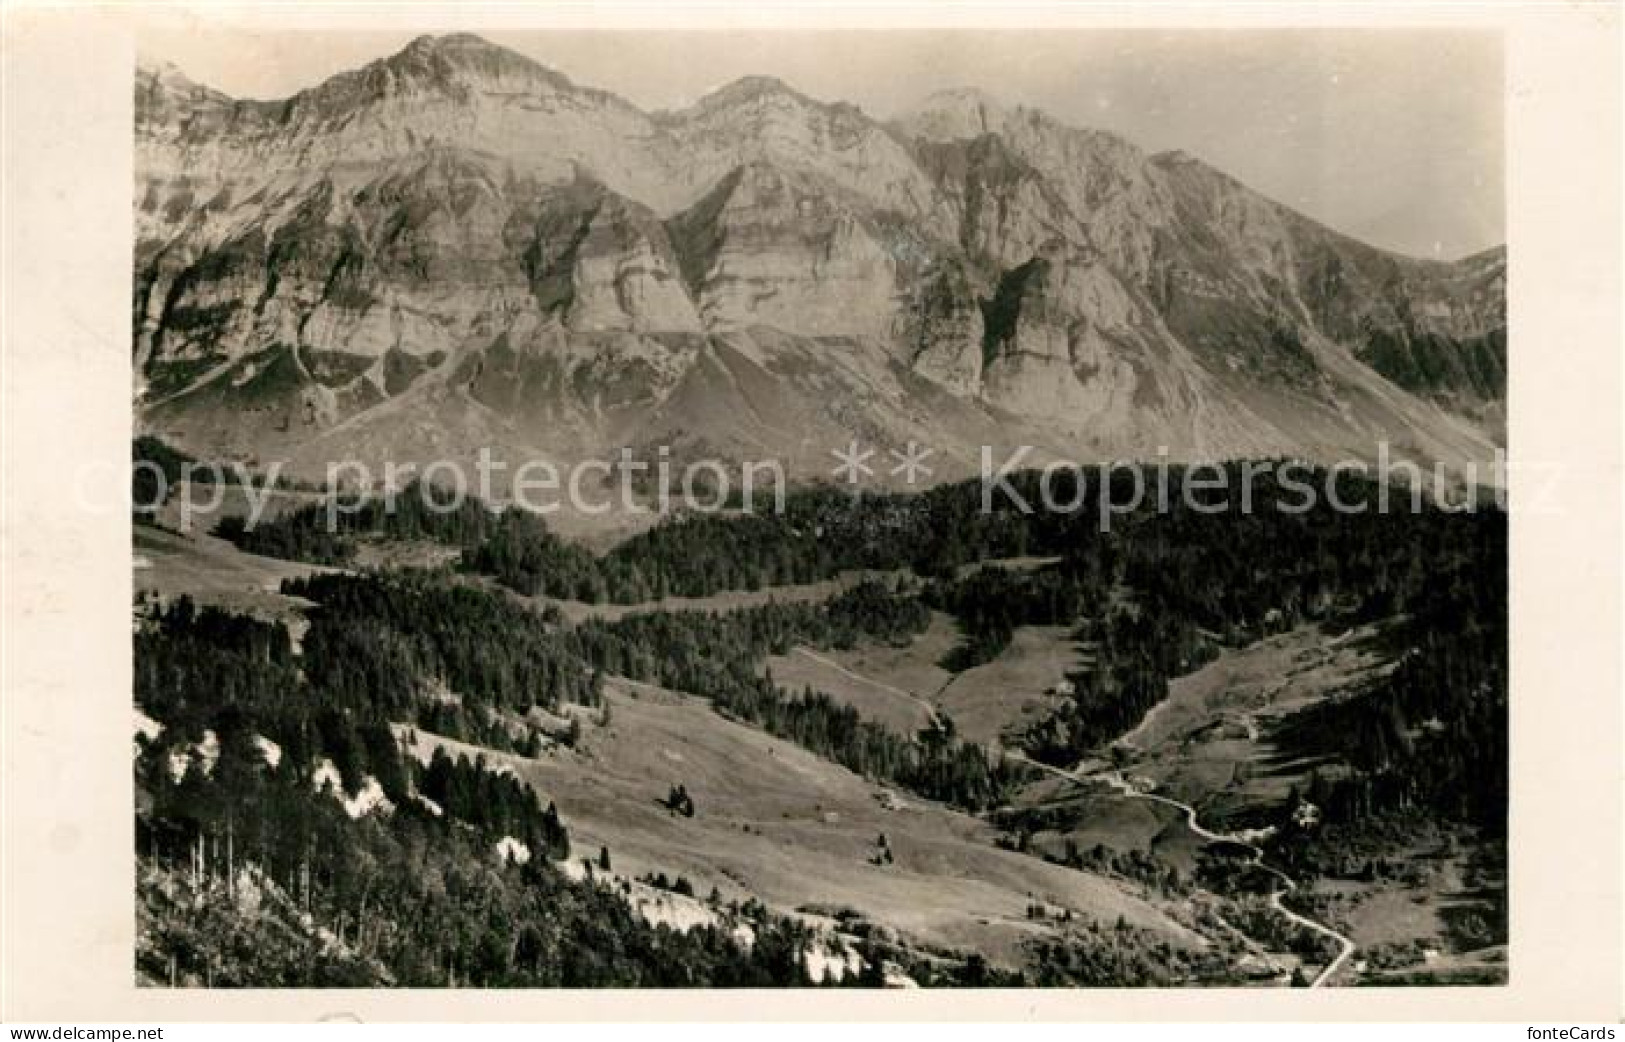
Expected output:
(455, 246)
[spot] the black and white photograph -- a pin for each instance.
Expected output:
(1007, 511)
(778, 538)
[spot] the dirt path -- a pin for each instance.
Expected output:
(1148, 720)
(1116, 781)
(931, 710)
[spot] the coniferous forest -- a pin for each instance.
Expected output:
(254, 720)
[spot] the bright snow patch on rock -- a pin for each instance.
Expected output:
(655, 906)
(823, 964)
(369, 798)
(429, 805)
(146, 726)
(147, 730)
(269, 750)
(208, 751)
(327, 774)
(677, 911)
(510, 849)
(205, 753)
(896, 978)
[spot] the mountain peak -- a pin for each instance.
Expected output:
(467, 57)
(955, 113)
(163, 93)
(162, 71)
(456, 65)
(461, 47)
(1118, 289)
(748, 89)
(752, 85)
(469, 41)
(964, 97)
(167, 76)
(1175, 157)
(960, 113)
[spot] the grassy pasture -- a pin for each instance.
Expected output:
(779, 823)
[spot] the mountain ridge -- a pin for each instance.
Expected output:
(383, 236)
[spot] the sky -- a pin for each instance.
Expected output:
(1392, 136)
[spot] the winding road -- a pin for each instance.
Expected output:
(1117, 782)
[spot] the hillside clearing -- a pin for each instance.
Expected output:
(779, 823)
(1209, 741)
(895, 685)
(213, 571)
(990, 703)
(728, 600)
